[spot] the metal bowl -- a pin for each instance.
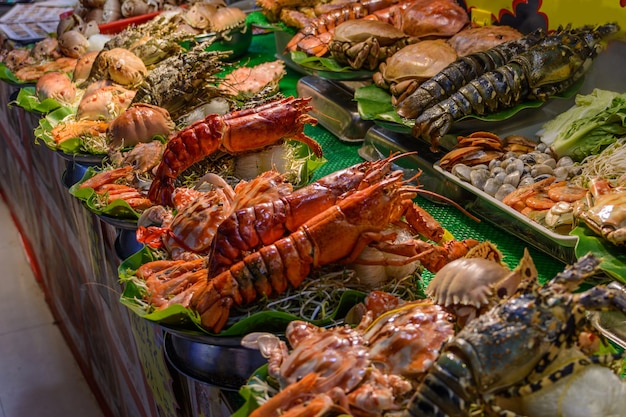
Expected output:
(74, 172)
(126, 243)
(218, 361)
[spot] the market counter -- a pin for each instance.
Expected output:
(74, 257)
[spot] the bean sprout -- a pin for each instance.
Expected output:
(609, 164)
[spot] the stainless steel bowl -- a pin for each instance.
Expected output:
(218, 361)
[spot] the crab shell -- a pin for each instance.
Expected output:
(139, 123)
(482, 38)
(430, 18)
(415, 63)
(364, 43)
(121, 66)
(469, 281)
(469, 286)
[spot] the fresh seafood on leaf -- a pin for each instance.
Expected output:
(549, 67)
(364, 371)
(58, 86)
(103, 101)
(337, 234)
(126, 180)
(505, 351)
(315, 37)
(256, 223)
(462, 71)
(78, 129)
(235, 132)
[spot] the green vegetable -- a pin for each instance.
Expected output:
(595, 121)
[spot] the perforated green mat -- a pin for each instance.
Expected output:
(341, 155)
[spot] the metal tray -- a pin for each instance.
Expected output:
(334, 107)
(493, 210)
(218, 361)
(611, 324)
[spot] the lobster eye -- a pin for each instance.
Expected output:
(502, 292)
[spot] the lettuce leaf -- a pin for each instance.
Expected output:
(593, 123)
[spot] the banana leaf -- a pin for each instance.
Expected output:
(28, 100)
(613, 257)
(185, 319)
(9, 77)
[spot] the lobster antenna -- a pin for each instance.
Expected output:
(449, 201)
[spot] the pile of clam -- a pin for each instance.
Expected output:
(517, 171)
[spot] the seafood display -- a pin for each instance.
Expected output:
(502, 352)
(548, 67)
(420, 314)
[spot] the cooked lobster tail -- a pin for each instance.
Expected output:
(462, 71)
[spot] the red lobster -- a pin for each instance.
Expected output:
(239, 131)
(337, 234)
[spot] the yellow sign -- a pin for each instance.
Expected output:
(527, 15)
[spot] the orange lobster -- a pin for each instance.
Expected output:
(248, 227)
(337, 234)
(239, 131)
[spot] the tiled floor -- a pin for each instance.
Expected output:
(38, 374)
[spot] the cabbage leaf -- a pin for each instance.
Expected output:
(593, 123)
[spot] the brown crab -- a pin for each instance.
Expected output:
(604, 210)
(410, 66)
(363, 43)
(139, 123)
(470, 286)
(441, 18)
(119, 65)
(482, 38)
